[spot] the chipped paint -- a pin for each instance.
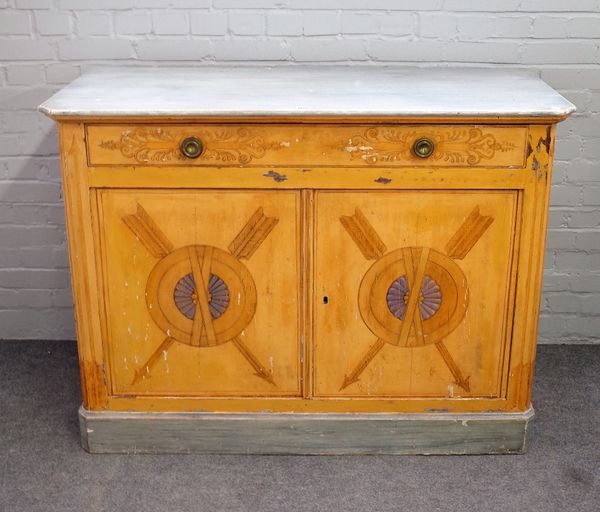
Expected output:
(535, 166)
(529, 149)
(382, 180)
(350, 148)
(275, 175)
(545, 142)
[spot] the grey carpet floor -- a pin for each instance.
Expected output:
(42, 467)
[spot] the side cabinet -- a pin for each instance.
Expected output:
(389, 285)
(306, 261)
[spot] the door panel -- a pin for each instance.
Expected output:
(374, 335)
(201, 292)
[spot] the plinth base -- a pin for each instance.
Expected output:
(310, 434)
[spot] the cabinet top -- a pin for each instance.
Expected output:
(303, 91)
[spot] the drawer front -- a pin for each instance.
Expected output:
(306, 145)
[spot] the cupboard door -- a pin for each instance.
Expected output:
(201, 292)
(413, 293)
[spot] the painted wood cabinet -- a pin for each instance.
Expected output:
(296, 274)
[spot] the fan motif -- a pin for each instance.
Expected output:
(186, 296)
(430, 298)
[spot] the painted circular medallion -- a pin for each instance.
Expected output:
(438, 306)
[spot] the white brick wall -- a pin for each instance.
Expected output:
(46, 43)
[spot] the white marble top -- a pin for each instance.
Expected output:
(306, 91)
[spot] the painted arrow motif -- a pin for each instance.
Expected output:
(148, 233)
(467, 235)
(354, 375)
(252, 235)
(411, 333)
(203, 334)
(364, 235)
(459, 379)
(203, 331)
(412, 319)
(253, 360)
(153, 359)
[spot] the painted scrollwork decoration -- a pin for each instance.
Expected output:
(146, 145)
(236, 145)
(457, 146)
(160, 145)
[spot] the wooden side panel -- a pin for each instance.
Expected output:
(540, 150)
(84, 264)
(301, 145)
(429, 316)
(202, 292)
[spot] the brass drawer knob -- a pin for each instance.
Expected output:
(191, 147)
(423, 148)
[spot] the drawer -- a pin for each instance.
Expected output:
(307, 145)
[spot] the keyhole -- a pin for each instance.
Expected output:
(325, 299)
